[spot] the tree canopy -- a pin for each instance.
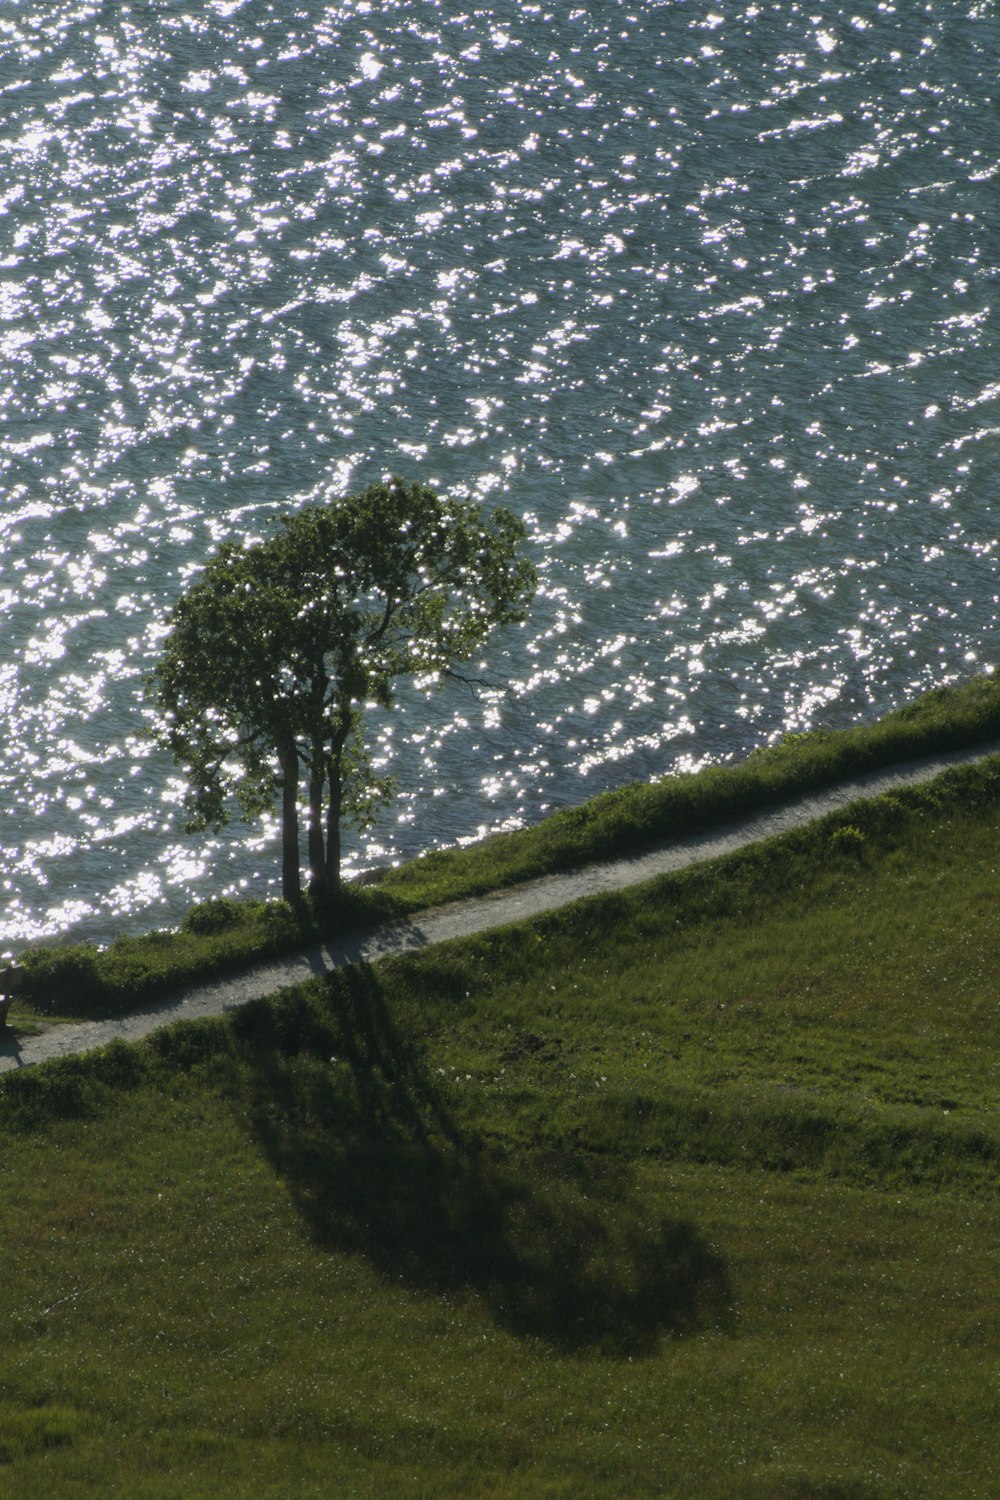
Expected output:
(274, 652)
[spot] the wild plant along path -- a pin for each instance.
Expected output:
(478, 914)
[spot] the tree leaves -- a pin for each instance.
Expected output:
(275, 650)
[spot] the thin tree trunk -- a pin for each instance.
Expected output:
(291, 885)
(333, 827)
(317, 862)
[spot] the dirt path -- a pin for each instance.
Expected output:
(463, 918)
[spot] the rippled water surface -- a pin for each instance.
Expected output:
(705, 292)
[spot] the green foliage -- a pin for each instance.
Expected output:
(216, 936)
(65, 978)
(848, 839)
(215, 915)
(276, 649)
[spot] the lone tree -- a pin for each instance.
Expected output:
(275, 651)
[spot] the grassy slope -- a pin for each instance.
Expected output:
(223, 935)
(689, 1191)
(643, 814)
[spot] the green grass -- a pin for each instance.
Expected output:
(223, 935)
(692, 1191)
(643, 814)
(177, 1331)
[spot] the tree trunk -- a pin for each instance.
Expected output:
(333, 828)
(291, 886)
(317, 862)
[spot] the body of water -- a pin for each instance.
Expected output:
(704, 291)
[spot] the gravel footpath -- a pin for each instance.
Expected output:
(462, 918)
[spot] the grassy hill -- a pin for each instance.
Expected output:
(691, 1191)
(222, 934)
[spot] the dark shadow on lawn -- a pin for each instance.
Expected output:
(10, 1047)
(558, 1248)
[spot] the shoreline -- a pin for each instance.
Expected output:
(471, 917)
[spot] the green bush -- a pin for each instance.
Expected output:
(63, 978)
(216, 915)
(848, 840)
(279, 920)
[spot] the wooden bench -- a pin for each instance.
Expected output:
(11, 981)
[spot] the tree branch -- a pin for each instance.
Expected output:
(472, 683)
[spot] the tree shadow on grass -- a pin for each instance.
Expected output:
(558, 1247)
